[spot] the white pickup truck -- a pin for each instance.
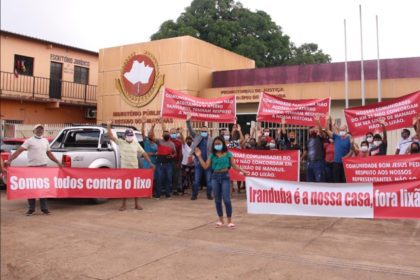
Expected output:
(85, 147)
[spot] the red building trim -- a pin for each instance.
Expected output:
(329, 72)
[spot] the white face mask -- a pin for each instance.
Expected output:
(369, 139)
(342, 132)
(129, 138)
(226, 137)
(266, 133)
(364, 148)
(377, 143)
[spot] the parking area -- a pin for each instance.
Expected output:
(176, 239)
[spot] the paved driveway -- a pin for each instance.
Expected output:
(176, 239)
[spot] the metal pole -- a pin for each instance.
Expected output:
(346, 77)
(362, 73)
(379, 63)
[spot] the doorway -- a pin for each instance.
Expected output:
(56, 72)
(245, 120)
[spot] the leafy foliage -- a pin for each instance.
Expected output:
(227, 24)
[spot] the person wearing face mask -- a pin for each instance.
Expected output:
(404, 142)
(203, 141)
(38, 153)
(364, 149)
(342, 149)
(165, 158)
(187, 165)
(266, 134)
(236, 138)
(150, 147)
(286, 140)
(315, 156)
(329, 156)
(176, 175)
(220, 160)
(380, 144)
(129, 150)
(369, 139)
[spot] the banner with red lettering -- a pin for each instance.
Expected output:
(398, 113)
(370, 200)
(299, 112)
(45, 182)
(393, 168)
(281, 165)
(176, 104)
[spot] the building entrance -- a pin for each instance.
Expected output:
(56, 72)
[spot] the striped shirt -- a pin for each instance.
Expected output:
(128, 153)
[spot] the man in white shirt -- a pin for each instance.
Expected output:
(404, 143)
(38, 153)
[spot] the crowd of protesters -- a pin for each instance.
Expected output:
(188, 162)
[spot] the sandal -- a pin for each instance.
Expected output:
(231, 226)
(219, 224)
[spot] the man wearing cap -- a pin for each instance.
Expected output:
(38, 150)
(128, 152)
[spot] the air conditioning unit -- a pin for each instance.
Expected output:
(90, 113)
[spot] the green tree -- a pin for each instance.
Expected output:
(227, 24)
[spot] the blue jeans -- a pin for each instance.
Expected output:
(198, 172)
(220, 183)
(164, 178)
(315, 171)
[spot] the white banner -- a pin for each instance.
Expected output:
(267, 196)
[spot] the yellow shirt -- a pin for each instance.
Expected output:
(128, 153)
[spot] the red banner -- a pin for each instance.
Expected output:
(396, 200)
(393, 168)
(176, 105)
(299, 112)
(367, 200)
(45, 182)
(398, 113)
(281, 165)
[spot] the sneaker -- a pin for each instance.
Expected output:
(168, 197)
(209, 197)
(193, 198)
(46, 211)
(175, 193)
(29, 212)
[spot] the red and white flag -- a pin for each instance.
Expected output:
(369, 200)
(45, 182)
(177, 105)
(398, 113)
(281, 165)
(392, 168)
(299, 112)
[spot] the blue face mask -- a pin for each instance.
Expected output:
(218, 147)
(173, 135)
(203, 134)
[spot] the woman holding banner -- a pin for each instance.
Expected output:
(220, 160)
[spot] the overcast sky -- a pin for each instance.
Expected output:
(96, 24)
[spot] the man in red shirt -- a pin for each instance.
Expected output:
(176, 175)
